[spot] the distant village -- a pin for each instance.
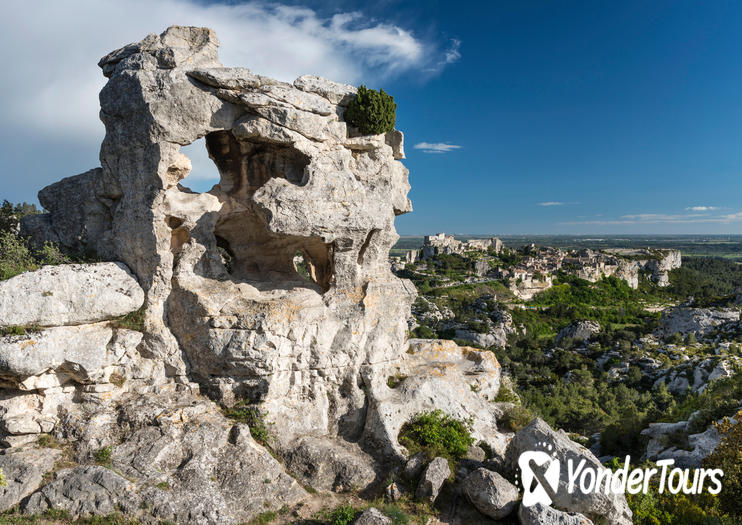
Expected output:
(531, 269)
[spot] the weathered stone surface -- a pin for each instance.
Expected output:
(330, 465)
(372, 516)
(612, 508)
(698, 321)
(84, 491)
(542, 515)
(24, 471)
(579, 330)
(336, 93)
(70, 294)
(81, 353)
(414, 466)
(432, 479)
(490, 493)
(435, 374)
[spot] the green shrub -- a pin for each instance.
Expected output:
(103, 456)
(263, 518)
(15, 257)
(517, 417)
(372, 112)
(250, 415)
(728, 457)
(20, 330)
(436, 433)
(342, 515)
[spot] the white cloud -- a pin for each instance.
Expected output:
(435, 147)
(49, 50)
(551, 203)
(665, 218)
(453, 54)
(701, 208)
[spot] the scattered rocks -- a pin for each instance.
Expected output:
(698, 321)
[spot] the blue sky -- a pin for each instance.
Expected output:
(559, 117)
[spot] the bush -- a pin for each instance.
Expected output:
(728, 457)
(372, 112)
(251, 416)
(437, 434)
(517, 418)
(103, 456)
(15, 257)
(343, 515)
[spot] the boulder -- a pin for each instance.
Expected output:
(325, 464)
(490, 493)
(539, 514)
(698, 321)
(24, 472)
(415, 465)
(70, 294)
(432, 479)
(612, 507)
(579, 330)
(372, 516)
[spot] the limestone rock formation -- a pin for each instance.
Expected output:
(612, 507)
(579, 330)
(270, 292)
(539, 514)
(71, 294)
(698, 321)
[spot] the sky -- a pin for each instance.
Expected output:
(519, 117)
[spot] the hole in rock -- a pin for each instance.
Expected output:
(249, 249)
(204, 174)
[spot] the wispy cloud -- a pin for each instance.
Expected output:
(701, 208)
(436, 147)
(453, 54)
(665, 218)
(551, 203)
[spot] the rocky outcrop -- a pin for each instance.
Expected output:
(578, 331)
(611, 507)
(24, 472)
(698, 321)
(270, 293)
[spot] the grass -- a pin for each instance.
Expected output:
(263, 518)
(250, 415)
(20, 330)
(60, 516)
(103, 456)
(131, 321)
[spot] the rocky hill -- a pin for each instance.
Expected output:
(196, 375)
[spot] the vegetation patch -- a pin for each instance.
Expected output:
(437, 434)
(131, 321)
(103, 456)
(251, 416)
(19, 330)
(372, 112)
